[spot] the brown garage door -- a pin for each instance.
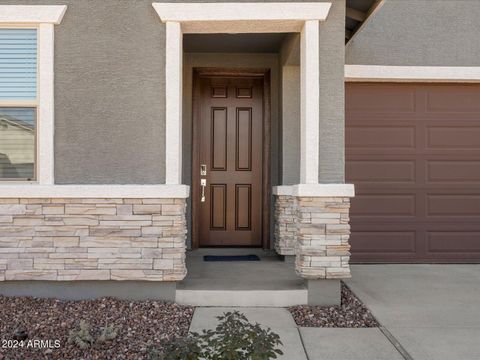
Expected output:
(413, 152)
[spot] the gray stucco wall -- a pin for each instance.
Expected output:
(109, 92)
(290, 129)
(419, 33)
(332, 96)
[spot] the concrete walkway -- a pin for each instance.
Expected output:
(308, 343)
(432, 310)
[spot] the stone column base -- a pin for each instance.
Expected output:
(92, 239)
(315, 229)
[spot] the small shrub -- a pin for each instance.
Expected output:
(81, 337)
(234, 338)
(107, 333)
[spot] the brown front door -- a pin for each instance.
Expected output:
(229, 133)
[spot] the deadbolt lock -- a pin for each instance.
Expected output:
(203, 170)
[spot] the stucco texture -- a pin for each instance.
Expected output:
(419, 33)
(331, 167)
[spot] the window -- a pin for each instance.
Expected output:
(26, 92)
(18, 103)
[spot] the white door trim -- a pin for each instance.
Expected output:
(243, 18)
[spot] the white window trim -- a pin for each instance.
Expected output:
(183, 18)
(378, 73)
(43, 18)
(32, 14)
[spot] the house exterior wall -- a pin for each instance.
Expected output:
(110, 84)
(109, 92)
(419, 33)
(110, 129)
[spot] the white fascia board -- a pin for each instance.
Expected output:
(315, 190)
(197, 12)
(32, 14)
(94, 191)
(380, 73)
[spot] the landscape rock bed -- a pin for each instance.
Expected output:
(139, 324)
(351, 314)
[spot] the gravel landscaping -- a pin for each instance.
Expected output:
(137, 324)
(351, 314)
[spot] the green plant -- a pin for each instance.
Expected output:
(234, 338)
(107, 333)
(81, 337)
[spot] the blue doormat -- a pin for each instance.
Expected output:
(231, 258)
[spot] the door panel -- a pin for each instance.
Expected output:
(230, 135)
(413, 153)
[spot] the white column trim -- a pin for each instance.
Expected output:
(173, 91)
(32, 14)
(248, 18)
(310, 102)
(45, 120)
(94, 191)
(315, 190)
(380, 73)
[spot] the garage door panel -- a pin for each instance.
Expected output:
(362, 98)
(459, 99)
(444, 242)
(416, 170)
(367, 242)
(453, 138)
(381, 171)
(465, 206)
(453, 171)
(383, 205)
(377, 137)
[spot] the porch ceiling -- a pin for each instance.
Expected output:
(233, 43)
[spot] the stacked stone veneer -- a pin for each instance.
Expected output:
(92, 239)
(316, 230)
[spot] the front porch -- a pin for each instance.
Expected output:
(272, 281)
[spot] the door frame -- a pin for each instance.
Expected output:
(264, 74)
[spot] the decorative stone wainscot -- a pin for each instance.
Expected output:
(322, 249)
(92, 239)
(316, 230)
(285, 226)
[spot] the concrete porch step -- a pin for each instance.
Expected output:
(268, 282)
(242, 298)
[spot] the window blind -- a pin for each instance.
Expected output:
(18, 64)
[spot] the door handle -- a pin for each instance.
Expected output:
(203, 184)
